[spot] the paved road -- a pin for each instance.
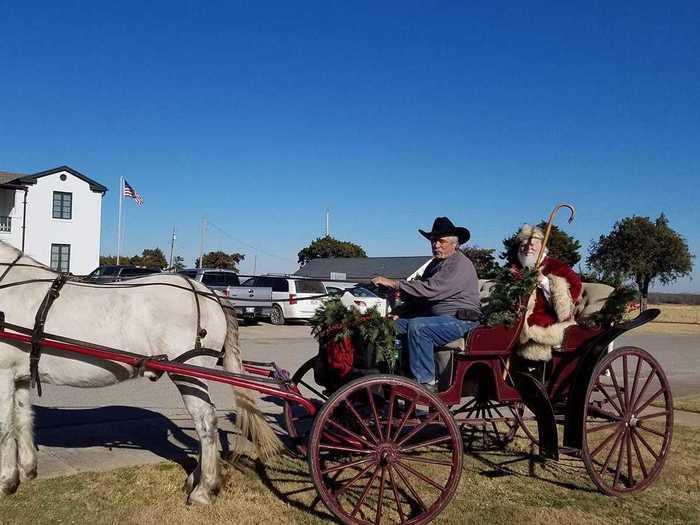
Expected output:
(140, 421)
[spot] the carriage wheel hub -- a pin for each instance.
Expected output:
(632, 421)
(386, 454)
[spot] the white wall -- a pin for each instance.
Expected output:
(11, 203)
(82, 231)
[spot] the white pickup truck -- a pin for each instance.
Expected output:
(249, 302)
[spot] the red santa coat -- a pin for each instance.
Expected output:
(546, 320)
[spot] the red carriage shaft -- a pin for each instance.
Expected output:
(276, 387)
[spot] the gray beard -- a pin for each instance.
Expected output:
(527, 260)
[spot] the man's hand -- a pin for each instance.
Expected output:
(384, 281)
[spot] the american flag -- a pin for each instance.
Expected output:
(131, 192)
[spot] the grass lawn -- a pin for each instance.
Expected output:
(500, 487)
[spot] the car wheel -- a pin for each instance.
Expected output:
(276, 316)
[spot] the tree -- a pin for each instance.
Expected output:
(329, 247)
(219, 259)
(483, 259)
(640, 250)
(151, 258)
(561, 246)
(178, 264)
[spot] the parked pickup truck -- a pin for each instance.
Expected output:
(249, 302)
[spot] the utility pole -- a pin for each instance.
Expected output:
(328, 223)
(172, 247)
(201, 242)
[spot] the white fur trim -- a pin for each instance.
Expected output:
(562, 302)
(535, 351)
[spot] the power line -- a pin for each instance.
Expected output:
(227, 234)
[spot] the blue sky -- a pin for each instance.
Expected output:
(262, 115)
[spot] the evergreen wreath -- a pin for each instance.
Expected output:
(614, 309)
(368, 331)
(505, 301)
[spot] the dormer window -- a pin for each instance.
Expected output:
(62, 205)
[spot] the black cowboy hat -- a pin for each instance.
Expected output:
(443, 227)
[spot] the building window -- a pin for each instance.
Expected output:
(60, 257)
(62, 205)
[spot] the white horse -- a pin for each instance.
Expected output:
(149, 320)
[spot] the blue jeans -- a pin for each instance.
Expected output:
(423, 334)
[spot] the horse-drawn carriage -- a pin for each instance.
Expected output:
(388, 440)
(381, 448)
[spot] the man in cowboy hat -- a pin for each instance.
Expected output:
(447, 296)
(551, 307)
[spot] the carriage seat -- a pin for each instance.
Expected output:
(593, 297)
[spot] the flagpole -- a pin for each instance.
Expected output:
(119, 228)
(172, 247)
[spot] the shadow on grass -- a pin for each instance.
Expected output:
(120, 427)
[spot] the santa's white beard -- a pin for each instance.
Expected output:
(528, 260)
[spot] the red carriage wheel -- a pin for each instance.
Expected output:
(385, 450)
(628, 421)
(297, 420)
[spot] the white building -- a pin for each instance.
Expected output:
(53, 216)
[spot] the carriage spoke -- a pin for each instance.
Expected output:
(652, 431)
(340, 427)
(605, 442)
(465, 406)
(630, 476)
(623, 406)
(390, 418)
(360, 420)
(646, 384)
(429, 461)
(612, 451)
(418, 428)
(363, 496)
(646, 444)
(420, 476)
(655, 414)
(650, 400)
(601, 389)
(350, 464)
(405, 418)
(638, 454)
(602, 427)
(341, 448)
(637, 369)
(430, 442)
(380, 500)
(374, 412)
(402, 516)
(618, 467)
(349, 483)
(411, 489)
(625, 381)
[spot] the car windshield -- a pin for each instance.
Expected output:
(362, 292)
(315, 287)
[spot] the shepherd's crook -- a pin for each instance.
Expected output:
(549, 229)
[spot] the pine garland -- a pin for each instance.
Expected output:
(505, 300)
(615, 308)
(369, 330)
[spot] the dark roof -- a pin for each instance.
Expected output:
(6, 176)
(18, 178)
(363, 268)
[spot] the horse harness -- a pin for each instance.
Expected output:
(54, 293)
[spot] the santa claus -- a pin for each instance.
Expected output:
(551, 307)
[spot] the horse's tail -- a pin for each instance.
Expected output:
(250, 420)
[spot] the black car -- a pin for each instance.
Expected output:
(118, 272)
